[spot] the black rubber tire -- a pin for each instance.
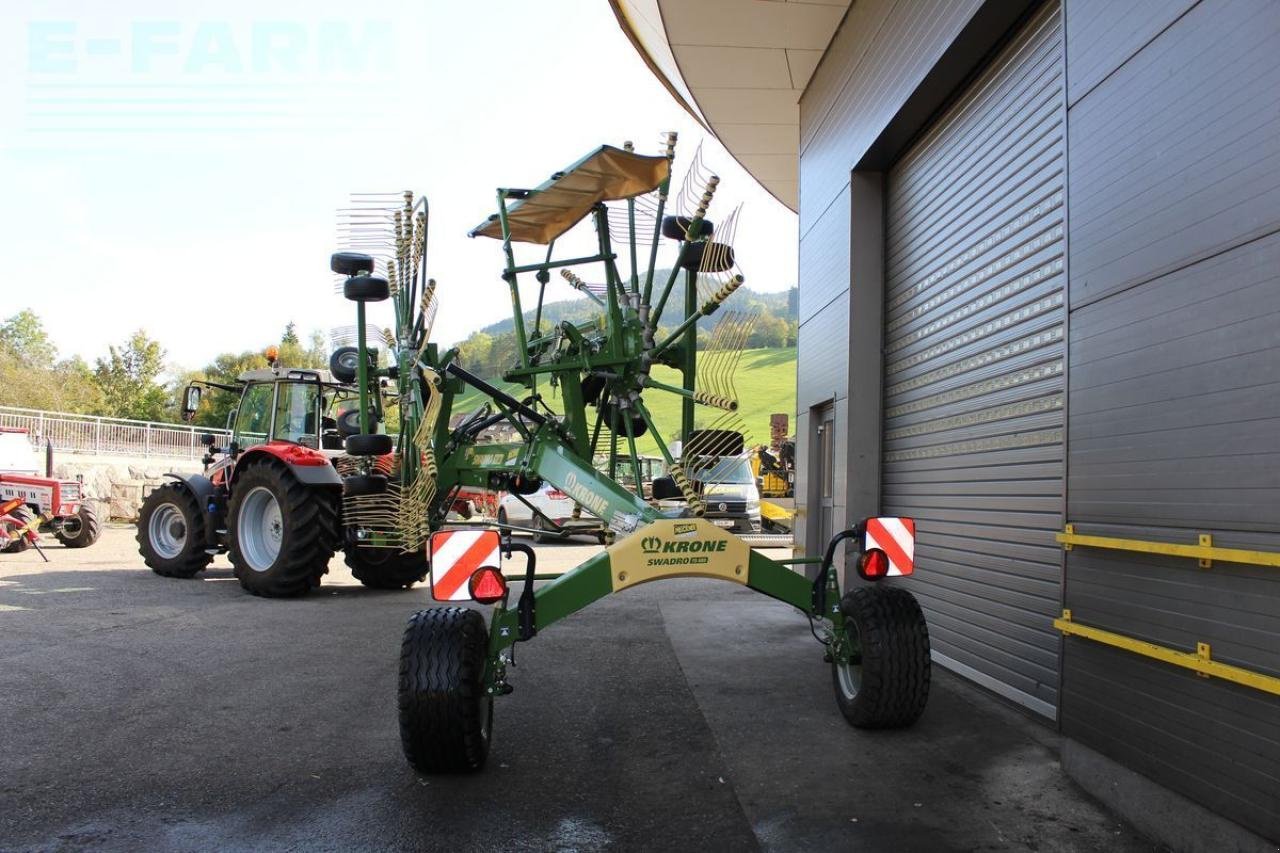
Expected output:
(614, 420)
(446, 715)
(23, 516)
(894, 642)
(386, 568)
(366, 288)
(350, 263)
(360, 485)
(86, 532)
(503, 527)
(344, 364)
(192, 558)
(721, 257)
(545, 534)
(677, 227)
(309, 531)
(349, 422)
(370, 444)
(592, 388)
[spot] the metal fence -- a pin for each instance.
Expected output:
(117, 436)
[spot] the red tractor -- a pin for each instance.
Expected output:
(33, 504)
(272, 499)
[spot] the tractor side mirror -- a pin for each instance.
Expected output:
(190, 402)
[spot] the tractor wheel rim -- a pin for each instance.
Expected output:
(167, 530)
(849, 675)
(71, 527)
(260, 529)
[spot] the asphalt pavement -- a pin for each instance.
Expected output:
(145, 713)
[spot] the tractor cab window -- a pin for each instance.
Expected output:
(253, 421)
(297, 412)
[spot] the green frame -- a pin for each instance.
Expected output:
(620, 347)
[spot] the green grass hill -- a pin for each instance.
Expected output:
(766, 383)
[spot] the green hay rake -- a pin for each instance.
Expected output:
(584, 394)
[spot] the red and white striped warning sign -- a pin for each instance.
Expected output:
(455, 554)
(897, 538)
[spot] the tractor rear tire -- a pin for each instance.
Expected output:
(23, 516)
(282, 532)
(446, 715)
(172, 533)
(386, 568)
(888, 686)
(83, 532)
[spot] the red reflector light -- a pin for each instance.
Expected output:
(487, 585)
(873, 564)
(556, 495)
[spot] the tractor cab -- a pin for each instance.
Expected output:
(300, 406)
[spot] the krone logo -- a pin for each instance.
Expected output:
(651, 544)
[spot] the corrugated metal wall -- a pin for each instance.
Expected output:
(1174, 413)
(973, 349)
(877, 58)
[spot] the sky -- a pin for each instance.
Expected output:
(179, 167)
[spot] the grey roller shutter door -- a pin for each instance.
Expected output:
(973, 418)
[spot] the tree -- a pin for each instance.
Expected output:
(318, 353)
(225, 368)
(294, 354)
(127, 379)
(31, 378)
(24, 338)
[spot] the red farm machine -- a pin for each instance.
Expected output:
(31, 504)
(272, 498)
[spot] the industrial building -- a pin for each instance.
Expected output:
(1048, 237)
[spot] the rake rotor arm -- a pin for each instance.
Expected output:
(496, 393)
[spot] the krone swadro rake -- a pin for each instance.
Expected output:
(587, 391)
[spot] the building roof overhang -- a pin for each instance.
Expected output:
(739, 67)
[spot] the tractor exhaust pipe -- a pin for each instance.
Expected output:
(48, 459)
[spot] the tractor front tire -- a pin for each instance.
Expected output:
(386, 568)
(171, 532)
(282, 532)
(886, 683)
(446, 715)
(81, 532)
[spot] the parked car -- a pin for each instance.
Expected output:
(728, 488)
(554, 504)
